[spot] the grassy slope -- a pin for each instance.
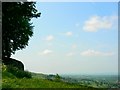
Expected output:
(35, 83)
(10, 81)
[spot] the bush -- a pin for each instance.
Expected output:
(6, 74)
(18, 73)
(57, 78)
(4, 67)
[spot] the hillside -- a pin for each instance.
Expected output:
(9, 80)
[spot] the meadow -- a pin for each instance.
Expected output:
(15, 78)
(11, 79)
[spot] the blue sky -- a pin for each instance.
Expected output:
(73, 38)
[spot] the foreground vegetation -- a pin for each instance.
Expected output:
(25, 79)
(35, 83)
(12, 77)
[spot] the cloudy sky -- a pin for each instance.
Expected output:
(73, 38)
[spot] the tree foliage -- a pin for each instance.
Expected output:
(57, 77)
(16, 26)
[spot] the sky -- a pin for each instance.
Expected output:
(74, 0)
(73, 38)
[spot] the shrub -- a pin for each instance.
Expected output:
(6, 74)
(4, 67)
(57, 78)
(18, 73)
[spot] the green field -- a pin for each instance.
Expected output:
(9, 80)
(12, 77)
(35, 83)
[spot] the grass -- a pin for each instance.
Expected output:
(35, 83)
(9, 80)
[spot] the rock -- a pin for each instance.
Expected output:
(13, 62)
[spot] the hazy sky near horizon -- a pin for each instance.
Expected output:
(73, 38)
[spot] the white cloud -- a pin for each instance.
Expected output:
(49, 44)
(70, 54)
(96, 23)
(69, 34)
(74, 46)
(49, 38)
(91, 52)
(46, 52)
(63, 45)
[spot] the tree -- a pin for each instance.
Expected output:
(16, 26)
(57, 77)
